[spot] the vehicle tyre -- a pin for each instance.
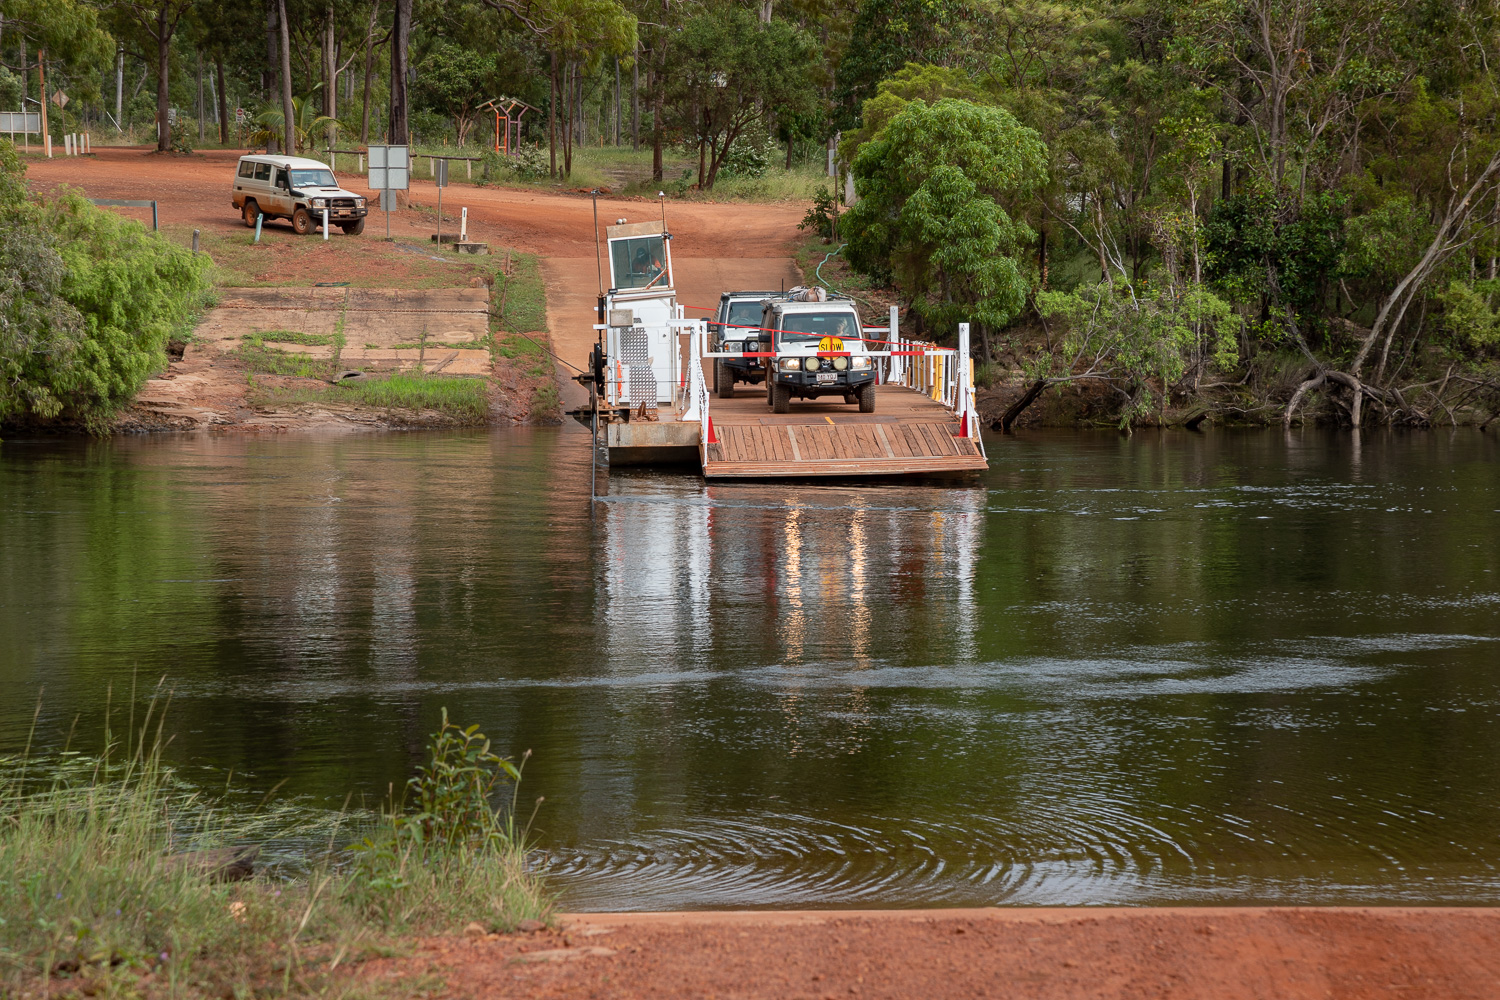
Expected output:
(353, 228)
(867, 398)
(302, 222)
(249, 212)
(781, 398)
(723, 380)
(851, 398)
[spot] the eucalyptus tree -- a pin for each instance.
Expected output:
(156, 23)
(730, 72)
(62, 34)
(929, 216)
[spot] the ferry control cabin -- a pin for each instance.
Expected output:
(854, 401)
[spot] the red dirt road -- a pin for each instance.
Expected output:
(194, 190)
(1215, 953)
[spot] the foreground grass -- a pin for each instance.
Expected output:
(465, 400)
(97, 896)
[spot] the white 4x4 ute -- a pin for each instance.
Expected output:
(822, 351)
(296, 188)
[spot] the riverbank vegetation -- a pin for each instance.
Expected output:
(88, 303)
(118, 879)
(1267, 209)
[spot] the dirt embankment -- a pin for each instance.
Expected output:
(276, 379)
(1209, 953)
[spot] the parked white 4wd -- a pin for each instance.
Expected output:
(296, 188)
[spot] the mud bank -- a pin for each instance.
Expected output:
(1209, 952)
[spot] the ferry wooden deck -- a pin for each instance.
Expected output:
(908, 434)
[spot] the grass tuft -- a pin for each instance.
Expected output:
(464, 399)
(97, 897)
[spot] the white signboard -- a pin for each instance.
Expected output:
(390, 168)
(20, 121)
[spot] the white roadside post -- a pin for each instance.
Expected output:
(440, 178)
(463, 226)
(325, 222)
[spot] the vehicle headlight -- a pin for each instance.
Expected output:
(318, 203)
(734, 345)
(791, 364)
(359, 202)
(839, 364)
(861, 364)
(811, 364)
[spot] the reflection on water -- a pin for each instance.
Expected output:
(1116, 670)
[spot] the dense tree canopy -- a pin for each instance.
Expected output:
(1326, 171)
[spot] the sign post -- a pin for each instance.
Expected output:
(440, 178)
(390, 171)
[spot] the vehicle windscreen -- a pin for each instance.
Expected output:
(638, 263)
(313, 179)
(809, 328)
(744, 318)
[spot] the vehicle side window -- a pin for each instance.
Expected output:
(281, 179)
(247, 169)
(262, 171)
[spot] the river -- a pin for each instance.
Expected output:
(1166, 668)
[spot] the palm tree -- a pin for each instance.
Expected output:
(270, 123)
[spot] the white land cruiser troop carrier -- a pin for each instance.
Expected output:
(296, 188)
(828, 355)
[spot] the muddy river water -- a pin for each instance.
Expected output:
(1170, 668)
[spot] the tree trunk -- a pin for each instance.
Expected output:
(400, 127)
(635, 100)
(617, 101)
(201, 110)
(552, 117)
(119, 82)
(271, 79)
(364, 117)
(1014, 411)
(289, 119)
(702, 140)
(163, 67)
(1041, 252)
(223, 100)
(330, 76)
(656, 129)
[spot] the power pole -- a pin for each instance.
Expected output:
(41, 82)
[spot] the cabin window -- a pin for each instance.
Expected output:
(247, 169)
(313, 178)
(805, 328)
(640, 262)
(743, 317)
(262, 171)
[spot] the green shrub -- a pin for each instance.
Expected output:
(529, 163)
(90, 299)
(1467, 315)
(181, 136)
(820, 218)
(750, 156)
